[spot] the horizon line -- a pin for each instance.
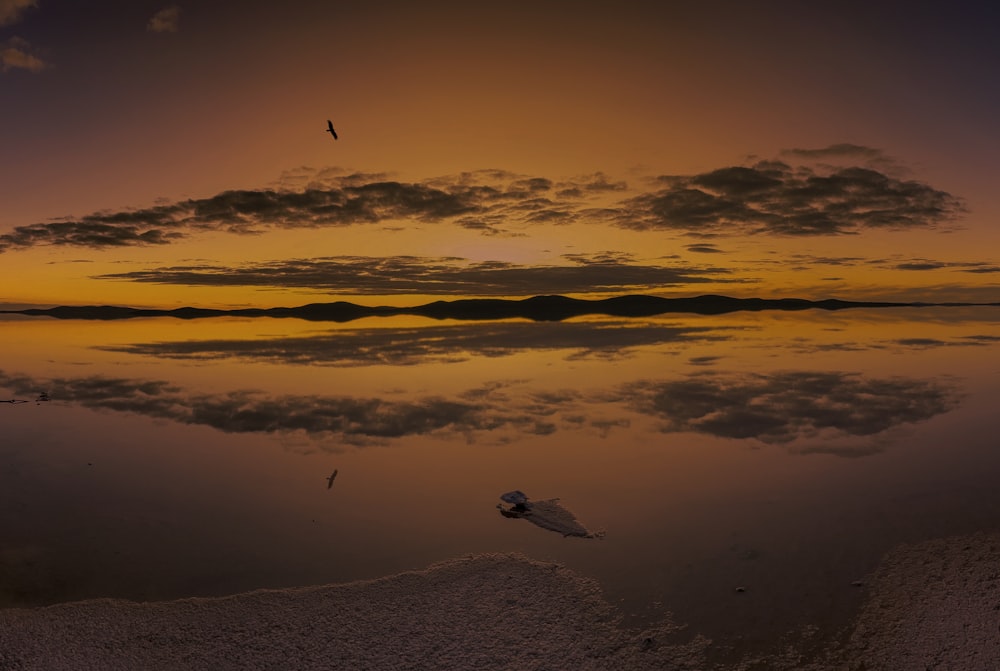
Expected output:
(544, 307)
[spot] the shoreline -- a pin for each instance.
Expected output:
(934, 604)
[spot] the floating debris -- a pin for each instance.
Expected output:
(547, 514)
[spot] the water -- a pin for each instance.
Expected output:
(780, 453)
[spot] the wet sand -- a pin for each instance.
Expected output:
(931, 605)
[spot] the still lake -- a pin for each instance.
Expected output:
(779, 452)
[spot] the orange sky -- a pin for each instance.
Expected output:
(109, 111)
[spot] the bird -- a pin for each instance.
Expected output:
(329, 480)
(329, 129)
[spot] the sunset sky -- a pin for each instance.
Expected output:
(159, 154)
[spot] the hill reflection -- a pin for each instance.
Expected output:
(433, 344)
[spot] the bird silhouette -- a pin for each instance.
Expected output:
(329, 129)
(329, 480)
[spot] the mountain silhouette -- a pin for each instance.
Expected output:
(536, 308)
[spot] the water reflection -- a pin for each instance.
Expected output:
(777, 407)
(783, 406)
(192, 458)
(436, 344)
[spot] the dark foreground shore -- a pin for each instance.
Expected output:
(933, 605)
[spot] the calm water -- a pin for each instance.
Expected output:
(779, 452)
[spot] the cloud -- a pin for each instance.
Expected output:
(847, 153)
(11, 10)
(769, 197)
(809, 259)
(364, 275)
(165, 21)
(777, 198)
(485, 201)
(16, 55)
(802, 261)
(928, 343)
(431, 344)
(789, 406)
(921, 265)
(704, 248)
(980, 267)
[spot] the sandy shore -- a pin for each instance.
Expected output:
(935, 605)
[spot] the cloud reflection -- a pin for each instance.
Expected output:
(787, 406)
(806, 411)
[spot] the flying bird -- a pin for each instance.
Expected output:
(329, 129)
(329, 480)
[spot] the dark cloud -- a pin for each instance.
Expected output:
(489, 201)
(775, 197)
(703, 248)
(841, 151)
(440, 276)
(965, 341)
(351, 200)
(770, 197)
(921, 265)
(787, 406)
(966, 267)
(810, 259)
(704, 360)
(431, 344)
(912, 264)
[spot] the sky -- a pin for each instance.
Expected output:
(159, 154)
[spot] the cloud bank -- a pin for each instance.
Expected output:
(364, 275)
(776, 198)
(769, 197)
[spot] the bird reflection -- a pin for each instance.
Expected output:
(14, 400)
(329, 480)
(42, 397)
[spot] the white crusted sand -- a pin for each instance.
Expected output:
(485, 612)
(934, 605)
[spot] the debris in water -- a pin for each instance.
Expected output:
(547, 514)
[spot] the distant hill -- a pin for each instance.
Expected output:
(537, 308)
